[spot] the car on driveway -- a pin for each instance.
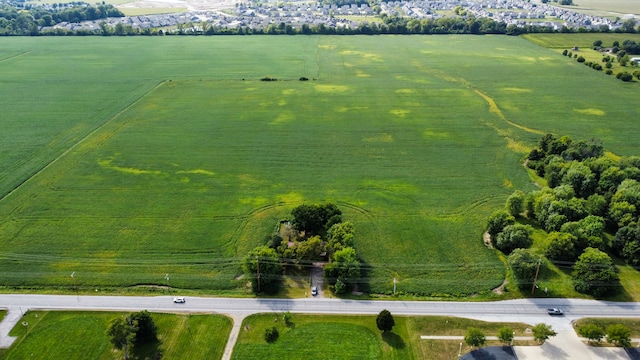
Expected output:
(554, 311)
(314, 291)
(179, 300)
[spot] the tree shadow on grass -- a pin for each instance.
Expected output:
(150, 350)
(393, 340)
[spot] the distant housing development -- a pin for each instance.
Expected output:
(296, 15)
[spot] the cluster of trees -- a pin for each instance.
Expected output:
(622, 58)
(541, 333)
(616, 334)
(588, 195)
(29, 20)
(133, 333)
(319, 232)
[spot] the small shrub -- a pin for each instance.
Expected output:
(304, 79)
(609, 72)
(580, 59)
(271, 334)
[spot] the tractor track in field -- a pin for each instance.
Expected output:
(80, 141)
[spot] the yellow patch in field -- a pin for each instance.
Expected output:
(361, 74)
(251, 89)
(255, 201)
(327, 47)
(507, 183)
(368, 56)
(400, 112)
(426, 52)
(590, 111)
(291, 198)
(390, 186)
(518, 146)
(527, 58)
(516, 90)
(501, 49)
(185, 180)
(127, 170)
(406, 91)
(344, 109)
(430, 134)
(545, 58)
(384, 137)
(283, 117)
(332, 88)
(349, 65)
(282, 102)
(289, 91)
(196, 171)
(414, 80)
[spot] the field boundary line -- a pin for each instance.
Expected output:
(493, 107)
(83, 139)
(15, 56)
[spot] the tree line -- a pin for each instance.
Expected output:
(29, 19)
(588, 196)
(317, 232)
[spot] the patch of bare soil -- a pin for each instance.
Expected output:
(500, 289)
(486, 238)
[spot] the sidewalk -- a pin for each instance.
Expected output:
(10, 320)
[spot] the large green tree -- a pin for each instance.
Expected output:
(619, 335)
(344, 266)
(595, 274)
(514, 237)
(542, 332)
(131, 332)
(315, 219)
(384, 321)
(524, 264)
(498, 221)
(262, 266)
(592, 332)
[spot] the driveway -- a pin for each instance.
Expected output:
(317, 278)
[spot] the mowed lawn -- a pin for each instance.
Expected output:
(83, 335)
(357, 337)
(185, 160)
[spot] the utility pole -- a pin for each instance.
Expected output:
(258, 263)
(75, 285)
(535, 280)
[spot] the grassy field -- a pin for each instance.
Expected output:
(82, 335)
(609, 8)
(324, 337)
(154, 156)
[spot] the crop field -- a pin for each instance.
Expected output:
(82, 335)
(128, 159)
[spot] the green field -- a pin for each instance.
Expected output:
(323, 337)
(609, 8)
(132, 158)
(82, 335)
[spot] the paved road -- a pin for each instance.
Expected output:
(530, 311)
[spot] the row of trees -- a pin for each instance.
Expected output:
(319, 232)
(616, 334)
(588, 195)
(476, 338)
